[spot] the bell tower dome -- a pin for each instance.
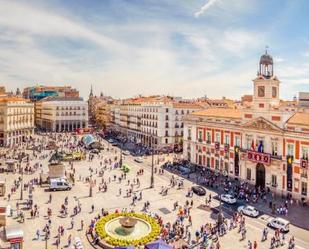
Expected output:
(266, 86)
(266, 68)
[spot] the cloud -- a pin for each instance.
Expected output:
(239, 42)
(37, 21)
(205, 7)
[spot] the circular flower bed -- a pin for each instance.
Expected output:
(100, 230)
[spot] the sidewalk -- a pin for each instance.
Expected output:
(296, 212)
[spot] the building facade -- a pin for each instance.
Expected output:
(265, 142)
(153, 121)
(60, 114)
(16, 120)
(37, 93)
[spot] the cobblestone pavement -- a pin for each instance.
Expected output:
(111, 201)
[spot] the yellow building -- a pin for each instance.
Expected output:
(16, 120)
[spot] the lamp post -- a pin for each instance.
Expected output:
(22, 181)
(46, 238)
(120, 160)
(90, 186)
(152, 165)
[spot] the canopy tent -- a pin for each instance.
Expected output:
(88, 140)
(125, 247)
(158, 244)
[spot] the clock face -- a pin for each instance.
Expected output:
(261, 91)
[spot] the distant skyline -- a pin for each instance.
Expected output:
(130, 47)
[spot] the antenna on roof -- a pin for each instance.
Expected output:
(266, 48)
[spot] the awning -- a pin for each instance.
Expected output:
(13, 233)
(158, 244)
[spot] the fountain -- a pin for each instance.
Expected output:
(127, 228)
(123, 229)
(128, 224)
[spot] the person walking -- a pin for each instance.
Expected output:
(72, 223)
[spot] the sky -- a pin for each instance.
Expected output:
(188, 48)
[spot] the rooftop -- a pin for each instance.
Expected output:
(219, 113)
(56, 98)
(299, 118)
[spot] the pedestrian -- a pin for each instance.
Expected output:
(81, 225)
(38, 234)
(255, 245)
(72, 223)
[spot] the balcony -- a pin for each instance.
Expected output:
(200, 140)
(208, 141)
(189, 138)
(304, 175)
(276, 157)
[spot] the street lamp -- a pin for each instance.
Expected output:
(22, 180)
(152, 165)
(46, 238)
(90, 186)
(120, 160)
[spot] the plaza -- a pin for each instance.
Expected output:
(112, 199)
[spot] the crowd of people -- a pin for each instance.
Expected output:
(105, 174)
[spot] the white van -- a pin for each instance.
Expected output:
(279, 223)
(59, 184)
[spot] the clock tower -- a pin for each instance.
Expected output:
(266, 86)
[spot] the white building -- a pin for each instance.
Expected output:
(152, 121)
(16, 120)
(59, 114)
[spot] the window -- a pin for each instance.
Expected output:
(217, 164)
(166, 110)
(208, 161)
(274, 148)
(200, 136)
(226, 167)
(166, 125)
(189, 133)
(166, 133)
(261, 91)
(305, 153)
(303, 172)
(274, 92)
(248, 143)
(274, 181)
(208, 137)
(237, 141)
(290, 149)
(227, 139)
(166, 140)
(249, 174)
(304, 188)
(218, 137)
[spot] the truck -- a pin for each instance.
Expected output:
(59, 184)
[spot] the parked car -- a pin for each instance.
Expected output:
(199, 190)
(248, 210)
(95, 151)
(279, 223)
(138, 159)
(59, 184)
(126, 153)
(227, 198)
